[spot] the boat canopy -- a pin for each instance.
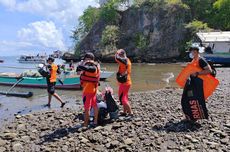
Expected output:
(209, 37)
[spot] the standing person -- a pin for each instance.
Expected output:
(90, 75)
(193, 99)
(52, 69)
(124, 80)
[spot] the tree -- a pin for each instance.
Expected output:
(86, 22)
(195, 26)
(200, 9)
(221, 17)
(110, 35)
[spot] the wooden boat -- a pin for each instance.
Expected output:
(1, 61)
(70, 83)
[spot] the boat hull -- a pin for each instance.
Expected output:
(105, 75)
(223, 59)
(31, 61)
(28, 82)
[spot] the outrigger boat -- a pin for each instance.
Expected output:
(70, 83)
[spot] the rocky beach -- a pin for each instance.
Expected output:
(157, 126)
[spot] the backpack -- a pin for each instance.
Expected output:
(213, 73)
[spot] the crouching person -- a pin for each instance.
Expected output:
(90, 75)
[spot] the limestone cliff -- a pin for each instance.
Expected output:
(148, 33)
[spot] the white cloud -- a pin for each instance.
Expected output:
(54, 33)
(43, 33)
(65, 11)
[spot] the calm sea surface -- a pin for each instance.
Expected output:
(144, 77)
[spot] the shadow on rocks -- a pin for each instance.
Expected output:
(63, 132)
(182, 126)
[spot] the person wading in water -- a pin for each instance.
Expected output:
(124, 80)
(90, 75)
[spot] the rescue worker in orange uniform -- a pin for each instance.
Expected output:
(124, 72)
(90, 75)
(51, 82)
(200, 62)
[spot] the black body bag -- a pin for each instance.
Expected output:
(121, 78)
(44, 73)
(193, 102)
(110, 102)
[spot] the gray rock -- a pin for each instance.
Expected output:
(18, 116)
(10, 136)
(2, 149)
(84, 140)
(114, 143)
(17, 147)
(213, 145)
(128, 141)
(65, 148)
(21, 127)
(108, 127)
(224, 141)
(98, 128)
(25, 138)
(227, 125)
(2, 142)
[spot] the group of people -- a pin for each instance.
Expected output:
(89, 71)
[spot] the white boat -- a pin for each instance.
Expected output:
(217, 47)
(32, 59)
(105, 75)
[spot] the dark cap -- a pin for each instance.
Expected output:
(50, 59)
(193, 48)
(89, 55)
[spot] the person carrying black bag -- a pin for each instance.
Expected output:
(193, 100)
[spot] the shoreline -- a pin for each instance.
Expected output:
(157, 126)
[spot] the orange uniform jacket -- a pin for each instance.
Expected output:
(90, 80)
(125, 68)
(53, 72)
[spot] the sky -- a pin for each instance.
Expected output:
(38, 26)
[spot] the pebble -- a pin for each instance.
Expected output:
(128, 141)
(2, 149)
(17, 147)
(10, 136)
(2, 142)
